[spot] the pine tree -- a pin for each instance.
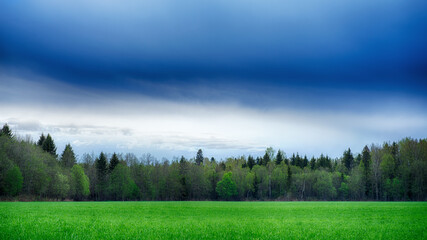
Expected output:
(5, 131)
(68, 158)
(113, 162)
(199, 157)
(49, 145)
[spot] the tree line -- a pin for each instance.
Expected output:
(389, 172)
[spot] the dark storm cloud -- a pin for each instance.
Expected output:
(343, 44)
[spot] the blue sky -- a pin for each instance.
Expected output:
(230, 77)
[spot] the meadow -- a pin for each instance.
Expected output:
(213, 220)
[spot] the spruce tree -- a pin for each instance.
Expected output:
(304, 161)
(266, 159)
(199, 157)
(366, 163)
(49, 145)
(289, 179)
(279, 157)
(68, 158)
(114, 161)
(101, 175)
(5, 131)
(251, 162)
(348, 160)
(41, 140)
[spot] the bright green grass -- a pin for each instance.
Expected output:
(213, 220)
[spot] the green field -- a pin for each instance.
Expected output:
(213, 220)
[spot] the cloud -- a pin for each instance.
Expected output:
(305, 40)
(123, 122)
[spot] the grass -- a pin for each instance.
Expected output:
(213, 220)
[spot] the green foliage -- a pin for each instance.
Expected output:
(348, 159)
(122, 187)
(279, 157)
(79, 183)
(323, 186)
(61, 186)
(387, 166)
(114, 161)
(226, 188)
(5, 131)
(68, 158)
(41, 140)
(384, 172)
(49, 145)
(199, 157)
(13, 181)
(101, 175)
(251, 162)
(343, 191)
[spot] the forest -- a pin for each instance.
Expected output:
(393, 171)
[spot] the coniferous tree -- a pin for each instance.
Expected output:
(348, 160)
(113, 162)
(293, 160)
(49, 145)
(289, 178)
(266, 159)
(304, 162)
(199, 157)
(298, 161)
(251, 162)
(101, 175)
(366, 165)
(5, 131)
(68, 158)
(313, 163)
(41, 140)
(279, 157)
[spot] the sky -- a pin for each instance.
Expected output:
(230, 77)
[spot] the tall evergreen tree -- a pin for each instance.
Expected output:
(113, 162)
(289, 178)
(293, 160)
(304, 161)
(251, 162)
(199, 157)
(5, 131)
(348, 160)
(68, 158)
(266, 159)
(101, 175)
(41, 140)
(313, 163)
(298, 161)
(49, 145)
(366, 165)
(279, 157)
